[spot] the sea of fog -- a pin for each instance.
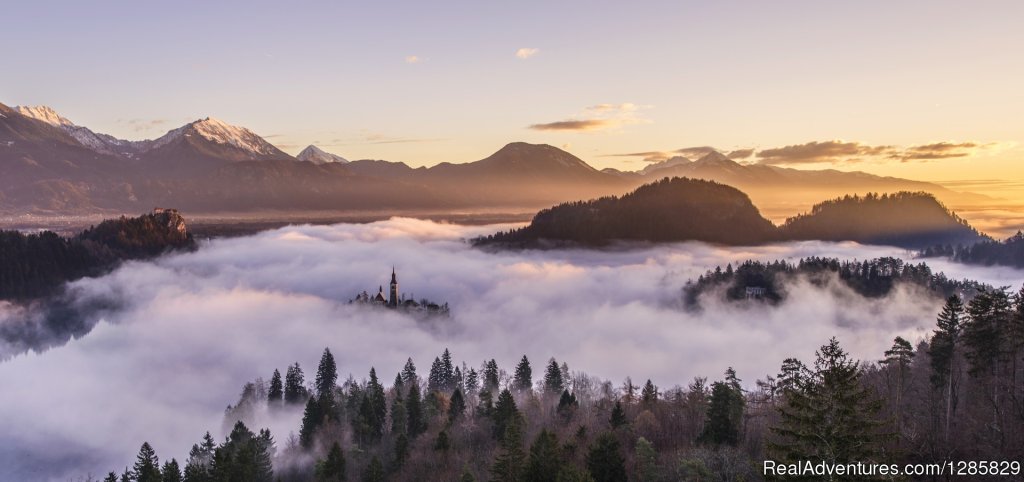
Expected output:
(192, 328)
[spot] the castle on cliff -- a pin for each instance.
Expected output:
(396, 302)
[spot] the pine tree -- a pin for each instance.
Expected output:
(447, 371)
(435, 380)
(457, 405)
(649, 394)
(332, 469)
(276, 393)
(409, 373)
(553, 382)
(830, 417)
(378, 404)
(374, 471)
(605, 461)
(505, 413)
(472, 381)
(898, 358)
(326, 375)
(147, 466)
(511, 461)
(721, 427)
(523, 379)
(491, 376)
(294, 385)
(618, 417)
(171, 472)
(545, 459)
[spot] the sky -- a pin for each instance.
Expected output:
(923, 90)
(178, 336)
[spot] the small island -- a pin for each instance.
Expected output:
(395, 301)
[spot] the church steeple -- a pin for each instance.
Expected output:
(393, 300)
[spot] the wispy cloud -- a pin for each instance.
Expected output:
(938, 150)
(142, 125)
(821, 151)
(740, 154)
(413, 59)
(597, 117)
(525, 53)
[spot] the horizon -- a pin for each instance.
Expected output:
(906, 101)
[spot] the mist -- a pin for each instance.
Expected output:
(177, 338)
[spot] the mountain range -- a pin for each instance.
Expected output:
(50, 165)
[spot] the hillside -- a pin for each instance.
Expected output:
(676, 209)
(905, 219)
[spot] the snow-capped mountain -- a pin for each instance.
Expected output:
(670, 162)
(318, 156)
(98, 142)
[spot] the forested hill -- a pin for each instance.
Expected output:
(904, 219)
(676, 209)
(989, 252)
(37, 265)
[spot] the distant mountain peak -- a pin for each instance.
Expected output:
(45, 114)
(536, 155)
(221, 133)
(670, 162)
(317, 155)
(716, 158)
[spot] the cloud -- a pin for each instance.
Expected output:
(938, 150)
(412, 59)
(182, 334)
(525, 53)
(823, 151)
(574, 125)
(597, 117)
(142, 125)
(740, 154)
(659, 156)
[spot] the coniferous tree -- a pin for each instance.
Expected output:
(111, 477)
(326, 375)
(545, 460)
(943, 353)
(399, 417)
(147, 466)
(378, 404)
(127, 475)
(401, 449)
(721, 426)
(435, 381)
(618, 417)
(311, 420)
(505, 413)
(409, 373)
(553, 382)
(276, 393)
(491, 376)
(374, 471)
(415, 415)
(898, 359)
(485, 405)
(646, 461)
(830, 416)
(567, 404)
(332, 469)
(649, 394)
(511, 460)
(447, 371)
(523, 379)
(605, 461)
(442, 443)
(457, 405)
(171, 472)
(294, 385)
(472, 381)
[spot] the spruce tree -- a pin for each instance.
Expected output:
(505, 413)
(311, 420)
(618, 417)
(409, 373)
(605, 461)
(147, 466)
(472, 381)
(399, 417)
(649, 394)
(111, 477)
(567, 405)
(332, 469)
(491, 376)
(943, 353)
(415, 415)
(457, 405)
(401, 449)
(485, 404)
(442, 443)
(294, 385)
(374, 471)
(326, 375)
(830, 416)
(721, 428)
(553, 383)
(171, 472)
(511, 460)
(378, 404)
(275, 394)
(447, 371)
(523, 379)
(435, 380)
(545, 460)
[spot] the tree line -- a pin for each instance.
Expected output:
(1009, 252)
(959, 394)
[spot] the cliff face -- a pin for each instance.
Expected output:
(172, 221)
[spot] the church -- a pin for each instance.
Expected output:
(393, 301)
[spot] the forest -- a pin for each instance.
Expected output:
(37, 265)
(683, 209)
(1009, 252)
(870, 278)
(957, 395)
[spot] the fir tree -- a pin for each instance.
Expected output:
(409, 373)
(447, 371)
(294, 385)
(943, 352)
(326, 375)
(567, 404)
(472, 381)
(457, 405)
(830, 417)
(399, 418)
(147, 466)
(545, 459)
(171, 472)
(111, 477)
(605, 461)
(618, 417)
(523, 379)
(332, 469)
(276, 393)
(378, 404)
(415, 415)
(553, 382)
(485, 404)
(311, 420)
(505, 413)
(511, 460)
(898, 358)
(401, 449)
(491, 376)
(435, 380)
(721, 427)
(646, 461)
(649, 394)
